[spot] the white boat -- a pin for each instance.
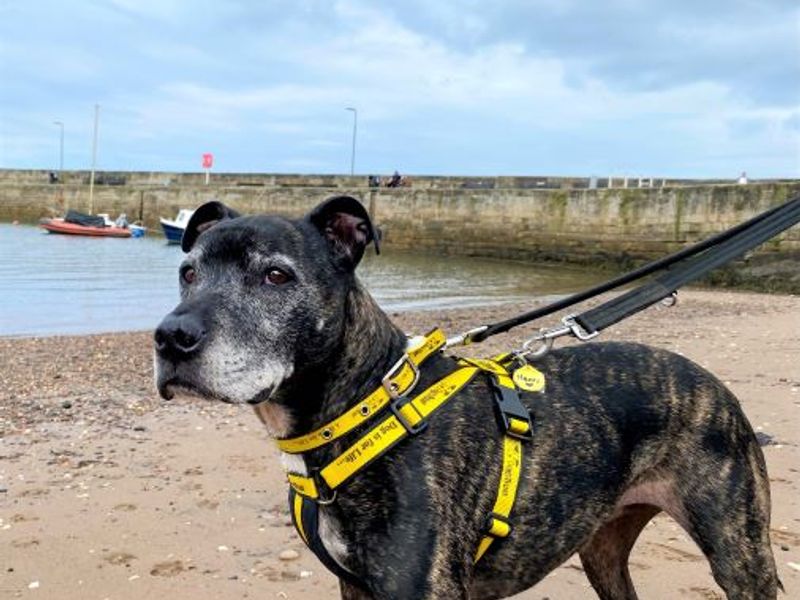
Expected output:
(136, 229)
(174, 228)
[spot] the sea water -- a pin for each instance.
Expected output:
(59, 284)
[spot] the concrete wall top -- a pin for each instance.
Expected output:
(244, 180)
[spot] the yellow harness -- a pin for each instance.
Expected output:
(405, 417)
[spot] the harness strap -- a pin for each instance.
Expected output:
(407, 418)
(305, 516)
(516, 423)
(399, 381)
(498, 525)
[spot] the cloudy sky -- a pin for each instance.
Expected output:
(700, 88)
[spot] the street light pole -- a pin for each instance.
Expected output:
(355, 130)
(94, 158)
(60, 151)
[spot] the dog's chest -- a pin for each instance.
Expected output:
(329, 529)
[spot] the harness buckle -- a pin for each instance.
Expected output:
(411, 429)
(515, 419)
(391, 387)
(497, 526)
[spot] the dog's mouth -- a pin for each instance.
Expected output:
(169, 387)
(171, 380)
(174, 387)
(193, 379)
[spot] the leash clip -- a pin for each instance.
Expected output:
(578, 331)
(546, 337)
(391, 387)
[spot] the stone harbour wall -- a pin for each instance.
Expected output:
(615, 227)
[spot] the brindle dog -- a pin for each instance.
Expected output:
(272, 314)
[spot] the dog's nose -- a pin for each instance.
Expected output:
(179, 336)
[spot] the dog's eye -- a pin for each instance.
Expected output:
(277, 277)
(188, 275)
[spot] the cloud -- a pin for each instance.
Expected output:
(458, 87)
(749, 46)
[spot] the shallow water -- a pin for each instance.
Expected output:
(58, 284)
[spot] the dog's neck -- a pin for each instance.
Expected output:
(370, 344)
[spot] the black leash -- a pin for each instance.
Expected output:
(681, 267)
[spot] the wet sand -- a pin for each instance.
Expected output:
(108, 492)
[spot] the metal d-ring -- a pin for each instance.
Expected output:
(318, 482)
(390, 386)
(326, 501)
(545, 344)
(545, 337)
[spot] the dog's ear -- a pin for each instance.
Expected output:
(204, 218)
(345, 223)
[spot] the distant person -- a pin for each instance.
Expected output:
(122, 221)
(395, 181)
(374, 181)
(743, 178)
(53, 177)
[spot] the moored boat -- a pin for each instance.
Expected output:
(75, 223)
(174, 228)
(137, 230)
(61, 226)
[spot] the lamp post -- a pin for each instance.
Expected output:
(60, 150)
(94, 158)
(355, 130)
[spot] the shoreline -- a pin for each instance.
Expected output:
(416, 315)
(186, 498)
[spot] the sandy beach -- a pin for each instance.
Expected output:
(107, 492)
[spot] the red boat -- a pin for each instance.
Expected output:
(76, 223)
(61, 226)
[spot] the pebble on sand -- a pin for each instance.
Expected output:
(289, 555)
